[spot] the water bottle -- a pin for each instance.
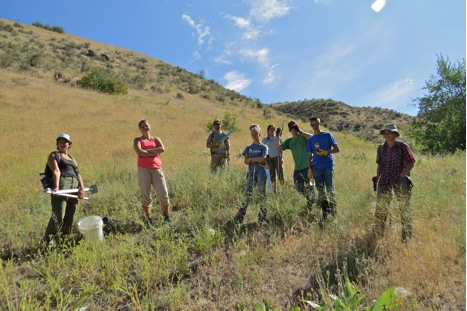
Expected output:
(317, 146)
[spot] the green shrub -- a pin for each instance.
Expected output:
(48, 27)
(103, 80)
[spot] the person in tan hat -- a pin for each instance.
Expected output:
(395, 161)
(219, 145)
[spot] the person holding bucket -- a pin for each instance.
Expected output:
(149, 149)
(65, 176)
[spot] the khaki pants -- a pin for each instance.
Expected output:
(154, 177)
(402, 193)
(218, 161)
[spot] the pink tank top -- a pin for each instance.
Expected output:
(149, 162)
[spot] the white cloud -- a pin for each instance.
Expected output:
(197, 55)
(203, 32)
(240, 21)
(222, 60)
(395, 94)
(226, 56)
(270, 75)
(265, 10)
(261, 56)
(236, 81)
(249, 30)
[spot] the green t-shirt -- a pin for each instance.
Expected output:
(298, 147)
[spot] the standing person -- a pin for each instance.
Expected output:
(297, 145)
(255, 157)
(320, 148)
(149, 149)
(274, 158)
(65, 176)
(220, 152)
(395, 161)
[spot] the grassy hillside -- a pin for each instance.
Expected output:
(185, 265)
(363, 122)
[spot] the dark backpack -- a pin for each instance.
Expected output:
(47, 176)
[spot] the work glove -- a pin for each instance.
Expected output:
(310, 174)
(217, 144)
(323, 153)
(278, 132)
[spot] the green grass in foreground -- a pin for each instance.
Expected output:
(200, 262)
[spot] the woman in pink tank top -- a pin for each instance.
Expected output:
(148, 149)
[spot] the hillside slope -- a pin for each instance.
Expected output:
(65, 59)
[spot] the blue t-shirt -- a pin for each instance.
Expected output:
(256, 151)
(323, 141)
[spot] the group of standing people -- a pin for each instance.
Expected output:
(314, 167)
(313, 162)
(312, 154)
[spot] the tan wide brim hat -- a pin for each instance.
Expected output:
(390, 127)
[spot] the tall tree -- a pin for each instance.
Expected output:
(440, 123)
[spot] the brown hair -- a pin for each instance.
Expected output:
(141, 122)
(315, 119)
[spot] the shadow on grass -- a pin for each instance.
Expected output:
(351, 263)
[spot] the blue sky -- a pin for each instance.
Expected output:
(361, 52)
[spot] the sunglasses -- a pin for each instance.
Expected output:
(314, 124)
(216, 124)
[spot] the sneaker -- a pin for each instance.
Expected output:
(240, 215)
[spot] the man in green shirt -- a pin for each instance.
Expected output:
(297, 145)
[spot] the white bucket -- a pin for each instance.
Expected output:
(91, 227)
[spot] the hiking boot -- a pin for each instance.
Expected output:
(262, 215)
(167, 217)
(150, 222)
(240, 215)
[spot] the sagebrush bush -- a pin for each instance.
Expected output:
(101, 79)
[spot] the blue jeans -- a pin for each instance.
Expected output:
(301, 181)
(324, 180)
(258, 176)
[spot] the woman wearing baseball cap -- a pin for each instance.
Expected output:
(65, 176)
